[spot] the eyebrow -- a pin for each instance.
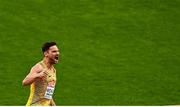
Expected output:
(55, 50)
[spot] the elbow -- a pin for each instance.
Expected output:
(24, 83)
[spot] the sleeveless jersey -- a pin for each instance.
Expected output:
(42, 90)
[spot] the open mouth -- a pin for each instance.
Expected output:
(56, 57)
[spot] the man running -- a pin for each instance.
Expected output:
(42, 77)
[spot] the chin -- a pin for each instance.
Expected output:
(55, 62)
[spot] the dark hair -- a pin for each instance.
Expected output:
(47, 45)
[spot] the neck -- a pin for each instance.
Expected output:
(47, 62)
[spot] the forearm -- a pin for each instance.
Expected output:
(35, 73)
(28, 80)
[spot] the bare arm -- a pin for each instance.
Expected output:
(36, 72)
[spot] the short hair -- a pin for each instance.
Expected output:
(47, 45)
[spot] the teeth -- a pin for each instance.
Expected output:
(56, 57)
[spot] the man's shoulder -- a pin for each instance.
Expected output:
(37, 67)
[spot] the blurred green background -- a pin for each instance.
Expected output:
(114, 52)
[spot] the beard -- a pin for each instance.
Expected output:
(54, 60)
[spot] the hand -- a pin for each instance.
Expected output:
(42, 74)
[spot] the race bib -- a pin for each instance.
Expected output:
(49, 92)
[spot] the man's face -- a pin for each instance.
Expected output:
(53, 54)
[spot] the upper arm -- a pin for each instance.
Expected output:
(35, 69)
(32, 74)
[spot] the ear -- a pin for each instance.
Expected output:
(45, 53)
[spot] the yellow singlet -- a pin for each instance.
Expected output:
(41, 91)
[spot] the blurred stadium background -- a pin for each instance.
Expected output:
(114, 52)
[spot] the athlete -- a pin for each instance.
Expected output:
(42, 77)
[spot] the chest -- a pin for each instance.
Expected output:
(51, 77)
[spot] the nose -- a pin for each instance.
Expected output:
(57, 53)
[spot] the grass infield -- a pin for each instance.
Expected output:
(114, 52)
